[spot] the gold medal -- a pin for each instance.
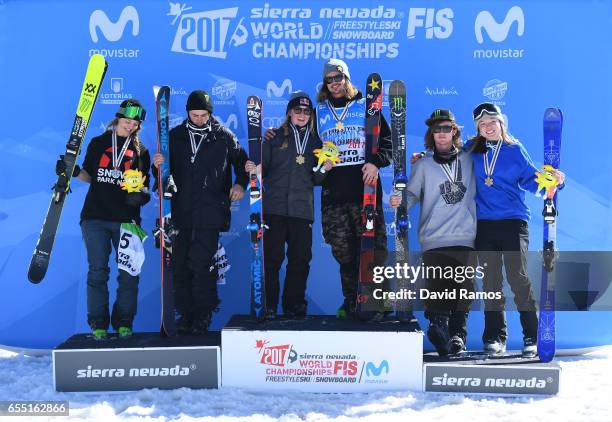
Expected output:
(339, 126)
(300, 159)
(489, 181)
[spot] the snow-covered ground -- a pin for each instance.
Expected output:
(586, 395)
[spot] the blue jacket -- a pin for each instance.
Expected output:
(514, 174)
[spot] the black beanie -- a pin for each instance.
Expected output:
(199, 100)
(134, 103)
(298, 98)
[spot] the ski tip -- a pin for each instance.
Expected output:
(156, 90)
(97, 59)
(552, 114)
(35, 277)
(163, 89)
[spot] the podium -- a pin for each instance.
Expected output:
(322, 354)
(145, 360)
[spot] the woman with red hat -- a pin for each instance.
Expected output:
(288, 177)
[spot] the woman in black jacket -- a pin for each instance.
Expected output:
(288, 206)
(108, 210)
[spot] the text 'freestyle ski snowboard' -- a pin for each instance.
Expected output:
(256, 225)
(89, 94)
(164, 233)
(366, 304)
(553, 123)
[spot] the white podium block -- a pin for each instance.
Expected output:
(322, 354)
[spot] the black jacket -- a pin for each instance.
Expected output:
(202, 197)
(288, 186)
(345, 184)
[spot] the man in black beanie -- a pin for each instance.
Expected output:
(202, 152)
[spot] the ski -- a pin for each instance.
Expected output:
(96, 70)
(366, 305)
(164, 232)
(256, 225)
(553, 123)
(397, 104)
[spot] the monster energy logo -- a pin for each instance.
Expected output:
(85, 105)
(397, 102)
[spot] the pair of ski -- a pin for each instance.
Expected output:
(94, 75)
(367, 307)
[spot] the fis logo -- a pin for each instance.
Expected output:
(498, 32)
(273, 90)
(113, 31)
(438, 24)
(206, 33)
(377, 370)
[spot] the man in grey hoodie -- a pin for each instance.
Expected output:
(443, 183)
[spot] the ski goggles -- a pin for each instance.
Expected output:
(336, 78)
(442, 129)
(132, 112)
(486, 108)
(300, 110)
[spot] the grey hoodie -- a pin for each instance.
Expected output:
(448, 210)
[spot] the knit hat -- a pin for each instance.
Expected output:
(131, 109)
(438, 115)
(298, 98)
(199, 100)
(336, 65)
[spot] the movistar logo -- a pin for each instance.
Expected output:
(376, 371)
(279, 91)
(113, 31)
(498, 32)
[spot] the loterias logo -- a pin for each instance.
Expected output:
(175, 371)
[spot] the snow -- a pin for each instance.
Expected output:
(586, 386)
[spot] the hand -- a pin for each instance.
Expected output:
(395, 201)
(250, 166)
(416, 157)
(236, 193)
(560, 176)
(158, 159)
(370, 173)
(328, 165)
(270, 133)
(60, 168)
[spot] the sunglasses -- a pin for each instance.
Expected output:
(336, 78)
(133, 112)
(442, 129)
(300, 110)
(486, 108)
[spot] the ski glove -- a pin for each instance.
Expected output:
(138, 199)
(60, 168)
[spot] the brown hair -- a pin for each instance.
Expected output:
(138, 145)
(429, 136)
(324, 93)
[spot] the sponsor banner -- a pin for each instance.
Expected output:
(135, 369)
(491, 379)
(323, 361)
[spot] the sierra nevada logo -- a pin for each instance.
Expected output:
(113, 31)
(206, 33)
(498, 32)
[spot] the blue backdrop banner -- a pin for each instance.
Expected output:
(523, 55)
